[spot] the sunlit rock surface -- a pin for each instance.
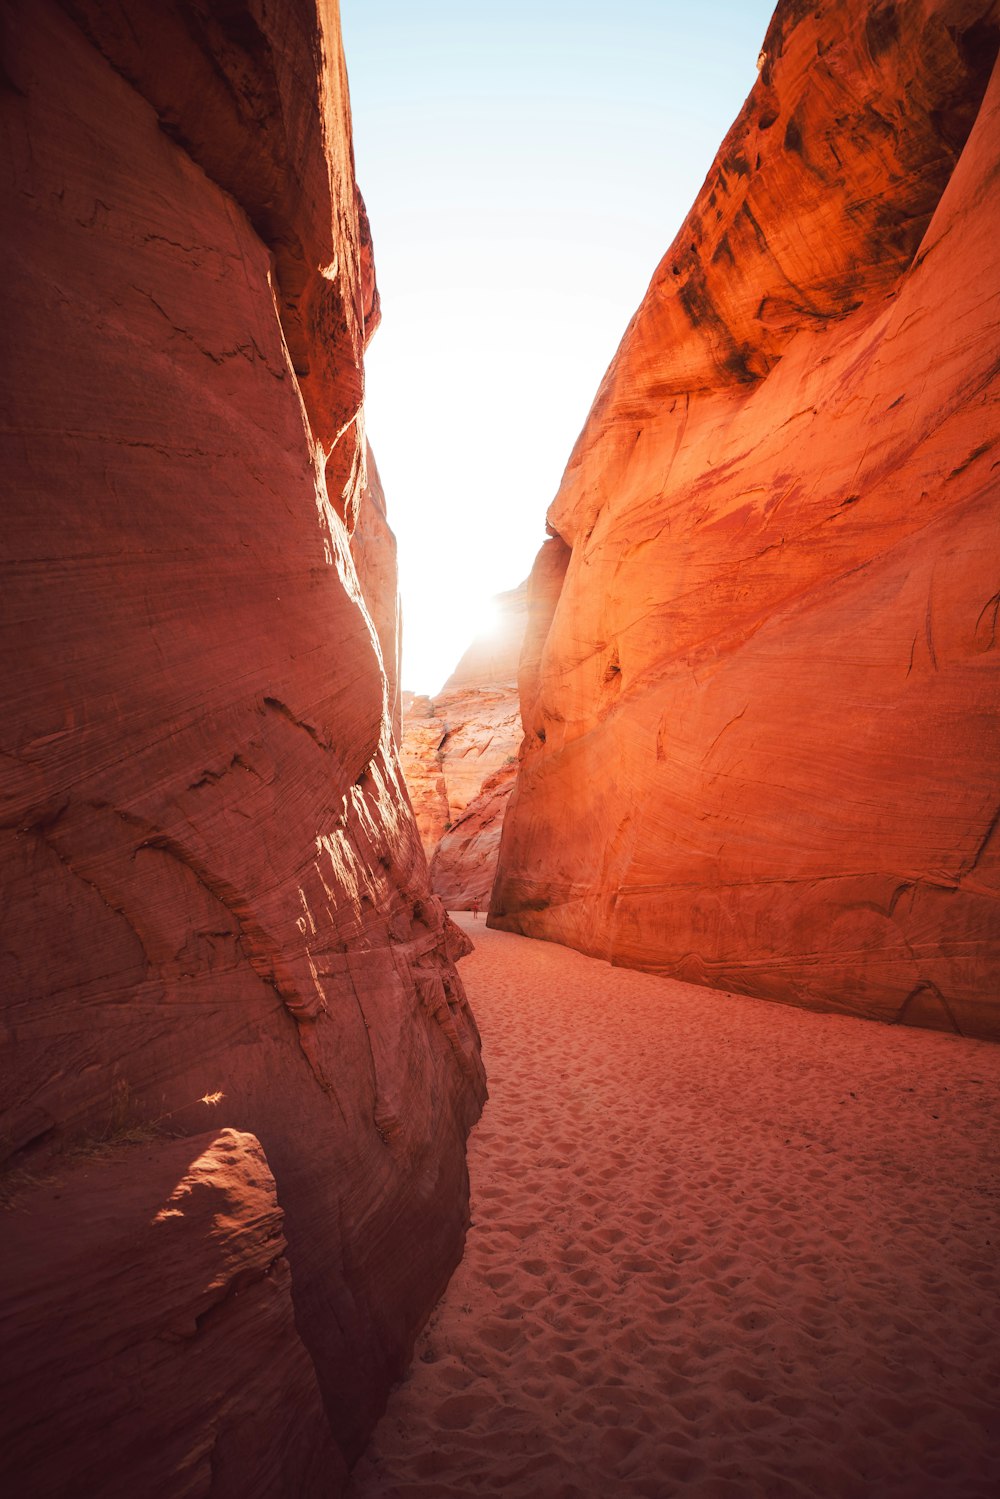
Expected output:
(760, 686)
(492, 658)
(373, 550)
(459, 756)
(212, 881)
(423, 732)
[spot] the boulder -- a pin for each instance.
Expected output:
(178, 1370)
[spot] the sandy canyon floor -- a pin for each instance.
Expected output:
(720, 1247)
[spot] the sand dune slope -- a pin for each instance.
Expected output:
(720, 1248)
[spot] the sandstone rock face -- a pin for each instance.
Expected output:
(482, 731)
(212, 878)
(760, 686)
(177, 1353)
(459, 755)
(464, 864)
(421, 762)
(373, 551)
(452, 745)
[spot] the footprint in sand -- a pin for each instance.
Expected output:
(684, 1312)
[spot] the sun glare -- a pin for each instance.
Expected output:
(570, 139)
(485, 621)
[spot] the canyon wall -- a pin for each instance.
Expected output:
(464, 863)
(459, 757)
(216, 909)
(373, 551)
(760, 684)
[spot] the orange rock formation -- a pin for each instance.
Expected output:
(373, 551)
(212, 879)
(464, 865)
(420, 760)
(459, 757)
(760, 686)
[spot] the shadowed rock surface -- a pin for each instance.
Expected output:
(464, 865)
(760, 685)
(212, 879)
(161, 1261)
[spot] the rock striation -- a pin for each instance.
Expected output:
(459, 755)
(464, 863)
(760, 683)
(213, 884)
(420, 759)
(165, 1264)
(373, 552)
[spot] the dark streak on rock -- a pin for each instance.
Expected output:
(928, 992)
(881, 29)
(977, 452)
(723, 251)
(988, 618)
(970, 864)
(759, 234)
(793, 137)
(735, 719)
(279, 707)
(929, 634)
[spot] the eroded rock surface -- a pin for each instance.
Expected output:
(212, 879)
(178, 1369)
(420, 759)
(464, 863)
(760, 688)
(459, 756)
(373, 550)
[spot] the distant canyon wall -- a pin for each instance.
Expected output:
(760, 688)
(216, 910)
(459, 757)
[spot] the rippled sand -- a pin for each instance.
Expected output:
(720, 1248)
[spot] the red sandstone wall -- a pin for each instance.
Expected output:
(761, 685)
(177, 1369)
(373, 551)
(212, 881)
(464, 863)
(459, 753)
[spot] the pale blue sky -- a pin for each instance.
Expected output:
(525, 167)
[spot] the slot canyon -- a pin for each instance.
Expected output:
(693, 863)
